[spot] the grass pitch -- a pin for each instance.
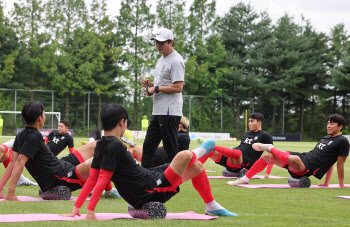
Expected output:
(269, 207)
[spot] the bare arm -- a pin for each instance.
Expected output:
(328, 177)
(7, 174)
(17, 171)
(340, 167)
(170, 89)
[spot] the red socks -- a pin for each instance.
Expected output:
(258, 166)
(283, 156)
(109, 186)
(202, 185)
(269, 168)
(228, 152)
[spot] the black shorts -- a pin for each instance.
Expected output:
(306, 172)
(247, 164)
(68, 177)
(73, 158)
(160, 157)
(156, 188)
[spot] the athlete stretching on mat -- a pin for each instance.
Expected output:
(318, 162)
(243, 156)
(138, 185)
(5, 158)
(30, 150)
(59, 139)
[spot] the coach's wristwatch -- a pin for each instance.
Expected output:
(156, 88)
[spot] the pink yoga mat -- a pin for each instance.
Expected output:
(343, 197)
(5, 218)
(210, 171)
(281, 186)
(255, 177)
(33, 199)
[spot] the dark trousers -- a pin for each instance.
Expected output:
(161, 128)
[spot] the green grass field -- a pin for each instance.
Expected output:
(270, 207)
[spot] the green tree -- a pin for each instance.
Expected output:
(135, 23)
(171, 15)
(241, 81)
(103, 26)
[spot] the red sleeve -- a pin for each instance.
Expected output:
(103, 180)
(46, 140)
(88, 187)
(71, 149)
(269, 168)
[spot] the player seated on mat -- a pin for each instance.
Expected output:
(243, 156)
(138, 185)
(160, 156)
(30, 150)
(318, 162)
(59, 139)
(5, 158)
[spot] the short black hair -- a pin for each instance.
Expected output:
(257, 116)
(66, 123)
(111, 114)
(129, 122)
(31, 111)
(337, 118)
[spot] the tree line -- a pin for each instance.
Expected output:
(294, 75)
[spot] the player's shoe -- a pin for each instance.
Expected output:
(208, 145)
(23, 181)
(112, 194)
(222, 212)
(236, 182)
(128, 142)
(262, 147)
(84, 142)
(201, 140)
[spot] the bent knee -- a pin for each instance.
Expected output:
(268, 157)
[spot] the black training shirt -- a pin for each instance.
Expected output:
(58, 141)
(42, 164)
(129, 177)
(183, 141)
(326, 153)
(248, 139)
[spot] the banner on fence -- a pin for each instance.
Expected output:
(285, 137)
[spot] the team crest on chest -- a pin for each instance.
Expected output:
(256, 138)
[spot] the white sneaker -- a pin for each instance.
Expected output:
(262, 147)
(238, 181)
(23, 181)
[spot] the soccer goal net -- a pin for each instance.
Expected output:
(10, 121)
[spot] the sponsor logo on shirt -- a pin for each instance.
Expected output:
(159, 181)
(321, 145)
(55, 140)
(69, 174)
(248, 141)
(256, 138)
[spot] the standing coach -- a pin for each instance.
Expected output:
(169, 77)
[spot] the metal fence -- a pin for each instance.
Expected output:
(82, 111)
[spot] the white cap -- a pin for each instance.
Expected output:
(163, 34)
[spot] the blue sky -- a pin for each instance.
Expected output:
(323, 14)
